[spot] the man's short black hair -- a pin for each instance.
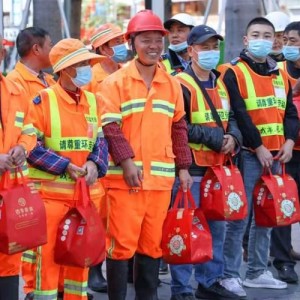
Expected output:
(28, 37)
(261, 21)
(292, 26)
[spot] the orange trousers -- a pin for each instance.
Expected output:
(47, 271)
(28, 271)
(135, 222)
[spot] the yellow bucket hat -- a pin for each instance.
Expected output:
(68, 52)
(104, 34)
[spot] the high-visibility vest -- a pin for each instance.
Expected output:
(66, 145)
(201, 114)
(282, 65)
(296, 100)
(265, 99)
(168, 66)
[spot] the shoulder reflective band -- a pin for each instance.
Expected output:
(204, 115)
(253, 102)
(167, 65)
(91, 99)
(280, 65)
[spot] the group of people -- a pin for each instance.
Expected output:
(139, 125)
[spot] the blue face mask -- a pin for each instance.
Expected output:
(179, 47)
(120, 53)
(83, 76)
(260, 48)
(291, 53)
(208, 60)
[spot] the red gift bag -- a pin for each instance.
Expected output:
(276, 201)
(186, 236)
(22, 215)
(222, 193)
(80, 239)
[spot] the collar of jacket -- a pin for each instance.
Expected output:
(267, 68)
(174, 60)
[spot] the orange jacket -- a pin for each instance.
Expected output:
(265, 100)
(146, 118)
(29, 81)
(201, 114)
(16, 127)
(70, 130)
(17, 130)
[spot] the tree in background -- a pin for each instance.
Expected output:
(46, 14)
(237, 16)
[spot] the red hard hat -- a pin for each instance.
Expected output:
(145, 20)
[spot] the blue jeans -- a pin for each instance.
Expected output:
(259, 237)
(207, 273)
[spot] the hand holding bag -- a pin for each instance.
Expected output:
(22, 214)
(186, 235)
(222, 193)
(80, 239)
(275, 199)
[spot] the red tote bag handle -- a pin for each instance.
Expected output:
(6, 182)
(82, 192)
(229, 158)
(187, 199)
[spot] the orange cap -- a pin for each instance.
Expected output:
(68, 52)
(104, 34)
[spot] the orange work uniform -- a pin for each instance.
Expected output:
(29, 80)
(16, 128)
(145, 118)
(56, 113)
(32, 84)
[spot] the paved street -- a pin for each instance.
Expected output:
(291, 293)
